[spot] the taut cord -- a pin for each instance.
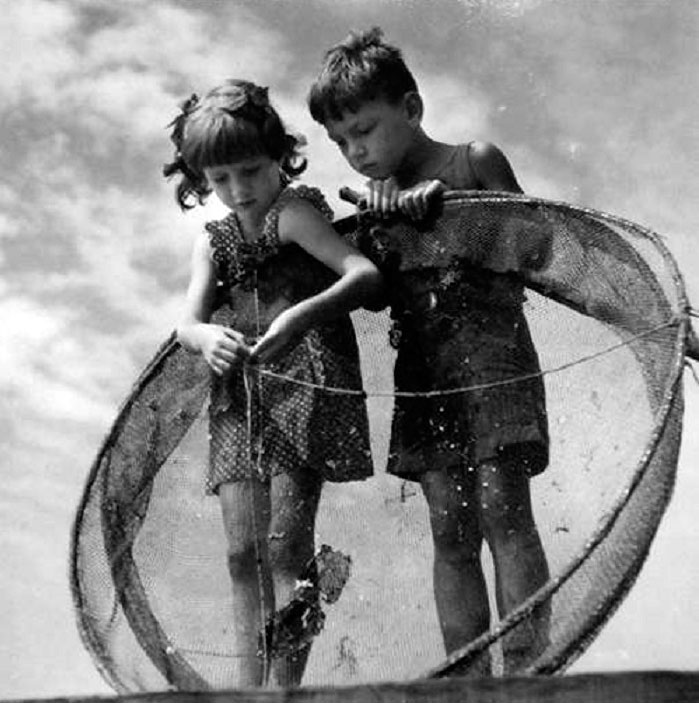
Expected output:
(255, 480)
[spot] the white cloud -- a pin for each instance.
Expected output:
(454, 111)
(34, 50)
(53, 370)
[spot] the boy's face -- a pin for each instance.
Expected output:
(376, 138)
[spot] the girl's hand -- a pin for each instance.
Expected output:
(415, 202)
(223, 348)
(284, 330)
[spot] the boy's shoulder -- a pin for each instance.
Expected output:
(491, 167)
(482, 152)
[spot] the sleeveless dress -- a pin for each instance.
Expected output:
(464, 327)
(288, 424)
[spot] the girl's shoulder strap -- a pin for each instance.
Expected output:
(301, 192)
(223, 236)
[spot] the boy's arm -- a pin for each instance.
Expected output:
(492, 169)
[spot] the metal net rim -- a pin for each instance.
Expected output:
(671, 395)
(103, 661)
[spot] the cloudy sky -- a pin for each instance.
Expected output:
(595, 101)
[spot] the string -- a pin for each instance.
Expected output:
(688, 364)
(255, 477)
(465, 389)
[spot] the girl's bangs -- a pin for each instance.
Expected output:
(223, 141)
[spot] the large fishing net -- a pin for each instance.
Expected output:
(609, 319)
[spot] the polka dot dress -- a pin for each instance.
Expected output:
(288, 424)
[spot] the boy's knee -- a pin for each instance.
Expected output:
(456, 540)
(501, 519)
(503, 502)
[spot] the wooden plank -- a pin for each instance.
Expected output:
(631, 687)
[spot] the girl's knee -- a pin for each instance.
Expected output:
(289, 553)
(242, 560)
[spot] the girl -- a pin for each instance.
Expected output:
(271, 287)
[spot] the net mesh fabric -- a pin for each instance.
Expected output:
(607, 312)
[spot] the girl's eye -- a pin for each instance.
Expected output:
(251, 171)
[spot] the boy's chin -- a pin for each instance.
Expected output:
(375, 172)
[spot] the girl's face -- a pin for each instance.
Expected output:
(247, 187)
(376, 138)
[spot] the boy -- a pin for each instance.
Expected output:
(473, 453)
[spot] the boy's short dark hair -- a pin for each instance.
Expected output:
(361, 68)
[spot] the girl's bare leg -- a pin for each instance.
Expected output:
(459, 585)
(294, 501)
(520, 564)
(245, 510)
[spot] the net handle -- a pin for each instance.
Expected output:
(353, 197)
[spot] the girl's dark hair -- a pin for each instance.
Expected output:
(233, 121)
(361, 68)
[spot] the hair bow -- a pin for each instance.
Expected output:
(248, 95)
(186, 109)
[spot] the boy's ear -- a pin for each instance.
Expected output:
(413, 107)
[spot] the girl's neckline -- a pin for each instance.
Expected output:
(268, 222)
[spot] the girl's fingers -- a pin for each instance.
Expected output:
(257, 352)
(234, 335)
(217, 367)
(234, 344)
(225, 357)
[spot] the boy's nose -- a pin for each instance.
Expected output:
(356, 151)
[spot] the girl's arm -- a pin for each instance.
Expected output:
(221, 347)
(359, 283)
(491, 168)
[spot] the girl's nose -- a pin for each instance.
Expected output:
(236, 190)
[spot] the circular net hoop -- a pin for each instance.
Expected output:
(608, 315)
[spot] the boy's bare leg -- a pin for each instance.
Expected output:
(459, 585)
(518, 556)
